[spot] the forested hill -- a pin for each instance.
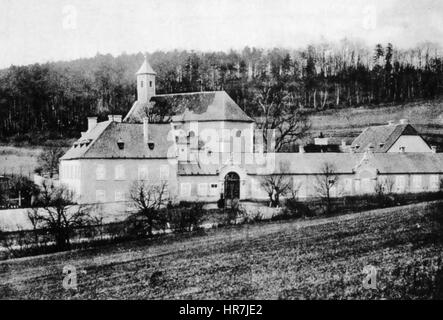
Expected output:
(53, 99)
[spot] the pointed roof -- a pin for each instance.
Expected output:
(145, 68)
(102, 142)
(382, 138)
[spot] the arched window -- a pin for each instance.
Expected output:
(238, 134)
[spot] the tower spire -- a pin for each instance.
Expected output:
(145, 81)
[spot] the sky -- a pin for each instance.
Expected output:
(38, 31)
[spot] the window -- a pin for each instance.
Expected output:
(434, 182)
(185, 189)
(100, 172)
(100, 195)
(119, 196)
(164, 172)
(141, 84)
(238, 134)
(119, 172)
(416, 183)
(348, 186)
(143, 173)
(150, 84)
(400, 183)
(213, 190)
(202, 189)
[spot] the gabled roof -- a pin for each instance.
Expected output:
(104, 138)
(382, 138)
(196, 106)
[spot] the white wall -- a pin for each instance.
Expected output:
(411, 144)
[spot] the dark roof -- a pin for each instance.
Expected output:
(197, 106)
(344, 163)
(104, 138)
(382, 138)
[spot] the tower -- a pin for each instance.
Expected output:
(145, 82)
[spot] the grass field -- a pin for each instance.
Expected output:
(429, 113)
(16, 160)
(313, 259)
(346, 124)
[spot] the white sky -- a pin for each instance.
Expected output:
(49, 30)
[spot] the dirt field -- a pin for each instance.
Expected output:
(316, 259)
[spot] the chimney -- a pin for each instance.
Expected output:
(404, 121)
(145, 130)
(434, 149)
(115, 117)
(391, 122)
(92, 122)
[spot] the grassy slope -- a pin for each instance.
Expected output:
(426, 116)
(309, 259)
(18, 159)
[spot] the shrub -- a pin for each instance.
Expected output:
(187, 216)
(297, 209)
(235, 213)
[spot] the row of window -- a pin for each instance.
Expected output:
(70, 172)
(120, 172)
(203, 189)
(100, 196)
(392, 184)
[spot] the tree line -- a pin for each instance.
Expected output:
(52, 100)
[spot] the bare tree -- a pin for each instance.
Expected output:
(280, 112)
(56, 211)
(48, 161)
(148, 200)
(278, 184)
(384, 186)
(326, 181)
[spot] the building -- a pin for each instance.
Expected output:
(206, 147)
(400, 137)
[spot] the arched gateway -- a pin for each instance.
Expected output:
(232, 186)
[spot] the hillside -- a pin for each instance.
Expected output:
(320, 259)
(426, 116)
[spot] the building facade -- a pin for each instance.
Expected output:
(203, 147)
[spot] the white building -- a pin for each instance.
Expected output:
(206, 147)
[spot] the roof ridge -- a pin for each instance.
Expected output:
(96, 139)
(187, 93)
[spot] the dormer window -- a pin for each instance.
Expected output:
(357, 147)
(120, 144)
(381, 145)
